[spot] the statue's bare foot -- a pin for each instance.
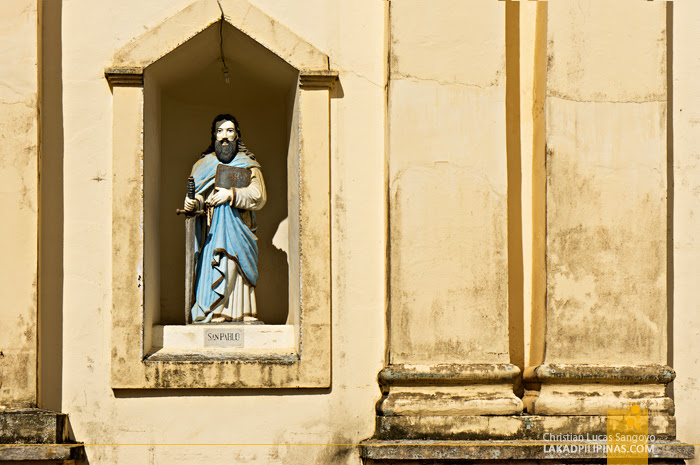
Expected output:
(218, 319)
(249, 318)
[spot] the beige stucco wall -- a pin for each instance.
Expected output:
(606, 156)
(19, 157)
(686, 219)
(338, 415)
(447, 183)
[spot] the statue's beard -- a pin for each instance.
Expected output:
(225, 152)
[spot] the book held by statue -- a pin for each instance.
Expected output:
(231, 176)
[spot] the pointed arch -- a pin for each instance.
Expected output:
(178, 29)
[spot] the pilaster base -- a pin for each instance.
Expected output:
(594, 389)
(444, 391)
(514, 427)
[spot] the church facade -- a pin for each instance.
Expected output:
(479, 243)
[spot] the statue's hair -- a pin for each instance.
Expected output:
(240, 146)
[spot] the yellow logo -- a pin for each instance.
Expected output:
(628, 436)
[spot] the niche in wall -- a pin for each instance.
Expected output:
(183, 92)
(167, 86)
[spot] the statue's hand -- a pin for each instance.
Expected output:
(190, 204)
(220, 196)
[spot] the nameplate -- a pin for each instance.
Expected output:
(229, 337)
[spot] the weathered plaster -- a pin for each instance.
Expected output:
(606, 185)
(584, 66)
(684, 18)
(447, 185)
(606, 232)
(19, 195)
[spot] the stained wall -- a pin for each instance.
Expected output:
(19, 197)
(606, 124)
(684, 322)
(447, 183)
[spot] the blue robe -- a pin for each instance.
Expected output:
(228, 238)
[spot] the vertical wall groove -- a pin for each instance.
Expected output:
(515, 224)
(670, 191)
(50, 267)
(387, 186)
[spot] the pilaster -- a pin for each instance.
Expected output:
(448, 255)
(606, 213)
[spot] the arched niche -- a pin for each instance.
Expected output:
(184, 90)
(167, 87)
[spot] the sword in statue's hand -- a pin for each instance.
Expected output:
(190, 195)
(190, 225)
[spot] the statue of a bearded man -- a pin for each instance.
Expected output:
(225, 249)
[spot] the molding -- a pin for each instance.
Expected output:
(552, 373)
(447, 374)
(507, 427)
(317, 79)
(456, 390)
(124, 77)
(158, 41)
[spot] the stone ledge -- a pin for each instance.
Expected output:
(506, 427)
(604, 374)
(447, 374)
(41, 452)
(406, 451)
(124, 77)
(266, 356)
(33, 426)
(317, 79)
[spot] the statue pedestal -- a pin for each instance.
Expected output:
(203, 336)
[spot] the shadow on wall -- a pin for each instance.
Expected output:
(50, 208)
(188, 90)
(670, 191)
